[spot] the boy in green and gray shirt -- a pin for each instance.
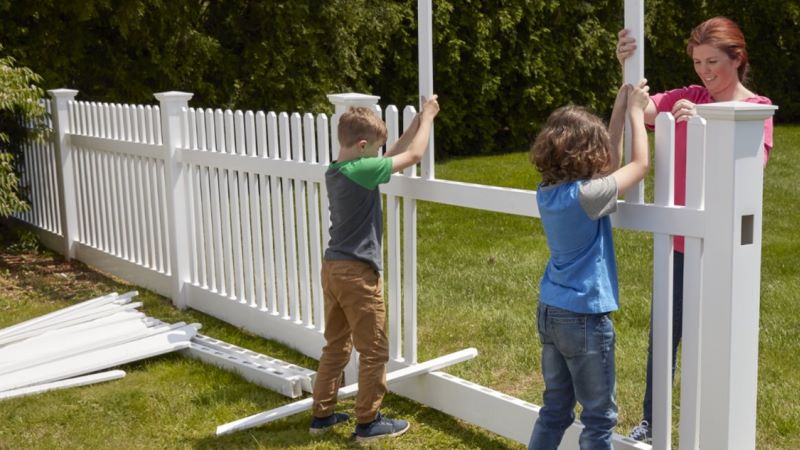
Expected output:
(351, 280)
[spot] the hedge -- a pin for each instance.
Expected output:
(500, 65)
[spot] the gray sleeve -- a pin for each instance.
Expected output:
(598, 197)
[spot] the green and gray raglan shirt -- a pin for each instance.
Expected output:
(355, 205)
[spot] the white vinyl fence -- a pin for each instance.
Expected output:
(226, 212)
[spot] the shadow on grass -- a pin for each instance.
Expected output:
(427, 426)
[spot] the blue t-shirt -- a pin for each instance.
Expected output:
(581, 274)
(355, 205)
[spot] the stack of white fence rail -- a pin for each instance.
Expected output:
(61, 348)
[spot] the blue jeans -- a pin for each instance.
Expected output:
(677, 333)
(577, 365)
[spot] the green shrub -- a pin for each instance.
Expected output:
(19, 101)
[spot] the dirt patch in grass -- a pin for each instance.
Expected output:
(29, 273)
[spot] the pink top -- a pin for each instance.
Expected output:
(697, 95)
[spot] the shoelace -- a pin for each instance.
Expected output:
(640, 431)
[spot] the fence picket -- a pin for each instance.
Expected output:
(86, 178)
(204, 175)
(156, 174)
(255, 274)
(409, 261)
(392, 265)
(315, 249)
(149, 212)
(290, 232)
(281, 302)
(49, 150)
(303, 308)
(225, 207)
(235, 213)
(163, 239)
(689, 434)
(245, 278)
(214, 175)
(128, 210)
(268, 300)
(662, 285)
(323, 139)
(116, 204)
(190, 143)
(36, 189)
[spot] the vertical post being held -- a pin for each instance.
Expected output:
(173, 107)
(632, 73)
(731, 268)
(425, 50)
(65, 169)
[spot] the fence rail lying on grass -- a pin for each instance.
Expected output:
(226, 212)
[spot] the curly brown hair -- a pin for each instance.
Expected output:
(573, 145)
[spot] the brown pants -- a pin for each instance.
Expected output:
(354, 315)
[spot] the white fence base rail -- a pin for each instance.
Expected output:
(347, 391)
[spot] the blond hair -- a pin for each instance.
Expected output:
(360, 123)
(573, 145)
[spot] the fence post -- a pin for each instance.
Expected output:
(425, 54)
(731, 269)
(172, 105)
(65, 169)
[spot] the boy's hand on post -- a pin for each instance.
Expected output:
(430, 107)
(622, 94)
(638, 98)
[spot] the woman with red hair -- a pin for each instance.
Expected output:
(719, 52)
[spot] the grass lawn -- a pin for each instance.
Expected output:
(478, 284)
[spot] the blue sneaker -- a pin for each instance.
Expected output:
(320, 425)
(381, 427)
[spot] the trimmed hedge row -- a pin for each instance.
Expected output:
(500, 65)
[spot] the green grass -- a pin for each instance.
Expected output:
(478, 283)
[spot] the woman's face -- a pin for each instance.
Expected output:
(715, 68)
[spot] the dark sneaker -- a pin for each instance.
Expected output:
(381, 427)
(642, 433)
(320, 425)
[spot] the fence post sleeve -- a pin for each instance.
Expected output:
(172, 106)
(65, 169)
(731, 268)
(341, 103)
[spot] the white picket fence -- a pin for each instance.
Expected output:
(226, 212)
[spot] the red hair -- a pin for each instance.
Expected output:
(725, 35)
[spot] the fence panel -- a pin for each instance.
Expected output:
(257, 208)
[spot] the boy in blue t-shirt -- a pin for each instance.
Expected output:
(351, 280)
(579, 161)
